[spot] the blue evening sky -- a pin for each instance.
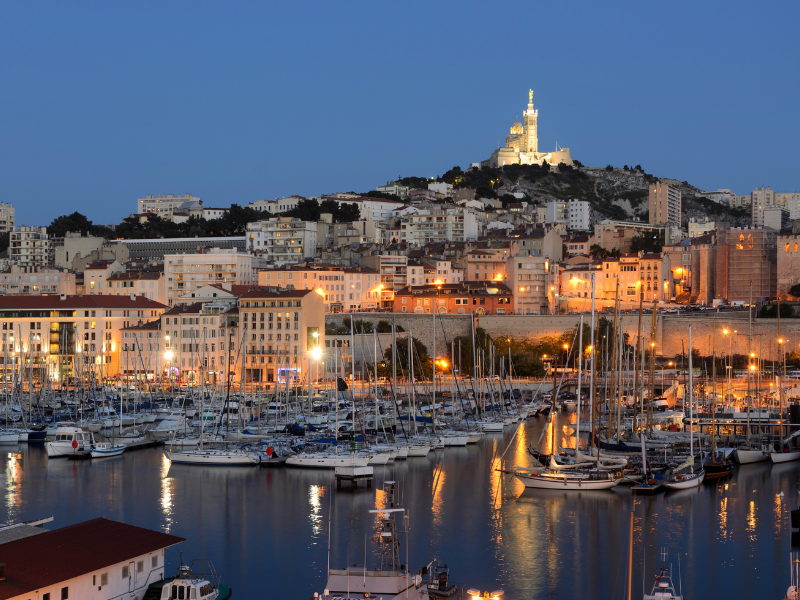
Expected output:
(105, 102)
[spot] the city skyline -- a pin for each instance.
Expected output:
(109, 103)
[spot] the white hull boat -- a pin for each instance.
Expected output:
(686, 481)
(782, 457)
(491, 426)
(105, 450)
(418, 451)
(62, 446)
(564, 481)
(9, 437)
(746, 457)
(327, 461)
(226, 458)
(456, 440)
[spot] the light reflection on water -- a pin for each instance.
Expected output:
(273, 525)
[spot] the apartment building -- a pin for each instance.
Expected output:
(490, 263)
(284, 332)
(282, 239)
(151, 284)
(29, 246)
(23, 281)
(760, 198)
(556, 212)
(576, 281)
(199, 339)
(164, 205)
(467, 297)
(724, 197)
(439, 225)
(64, 334)
(575, 214)
(96, 275)
(432, 271)
(393, 272)
(534, 283)
(664, 204)
(187, 272)
(7, 216)
(578, 244)
(775, 217)
(341, 288)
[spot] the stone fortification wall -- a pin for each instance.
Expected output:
(420, 326)
(672, 332)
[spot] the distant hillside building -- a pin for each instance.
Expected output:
(522, 144)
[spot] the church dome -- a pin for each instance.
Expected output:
(516, 128)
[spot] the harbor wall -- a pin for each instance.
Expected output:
(672, 331)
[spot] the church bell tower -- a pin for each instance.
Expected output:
(531, 142)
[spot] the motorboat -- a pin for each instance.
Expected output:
(193, 581)
(106, 449)
(69, 440)
(663, 588)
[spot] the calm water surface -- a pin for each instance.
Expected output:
(267, 530)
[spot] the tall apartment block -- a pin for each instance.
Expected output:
(665, 204)
(6, 217)
(29, 246)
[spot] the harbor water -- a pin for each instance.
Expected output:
(267, 530)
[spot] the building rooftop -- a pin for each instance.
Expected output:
(272, 292)
(54, 302)
(52, 557)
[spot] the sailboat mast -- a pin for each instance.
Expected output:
(691, 404)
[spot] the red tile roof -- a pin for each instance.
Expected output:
(81, 548)
(266, 293)
(74, 302)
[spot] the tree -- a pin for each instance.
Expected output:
(421, 357)
(383, 326)
(306, 210)
(609, 168)
(78, 223)
(647, 243)
(485, 191)
(348, 212)
(795, 290)
(4, 241)
(598, 252)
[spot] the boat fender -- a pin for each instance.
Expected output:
(619, 475)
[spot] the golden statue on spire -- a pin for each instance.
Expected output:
(530, 96)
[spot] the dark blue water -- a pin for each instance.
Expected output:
(267, 530)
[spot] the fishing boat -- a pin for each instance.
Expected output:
(106, 449)
(439, 585)
(190, 582)
(69, 440)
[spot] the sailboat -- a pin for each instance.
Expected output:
(690, 479)
(717, 467)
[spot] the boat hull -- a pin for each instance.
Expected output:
(686, 482)
(327, 462)
(565, 483)
(226, 459)
(108, 452)
(746, 457)
(782, 457)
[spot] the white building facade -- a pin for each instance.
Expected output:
(282, 239)
(188, 272)
(29, 246)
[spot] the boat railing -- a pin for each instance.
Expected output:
(200, 568)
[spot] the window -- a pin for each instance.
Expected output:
(140, 566)
(45, 596)
(125, 573)
(65, 593)
(104, 579)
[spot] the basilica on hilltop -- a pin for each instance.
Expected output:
(522, 144)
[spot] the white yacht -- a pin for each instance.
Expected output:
(189, 583)
(663, 588)
(327, 460)
(69, 440)
(231, 458)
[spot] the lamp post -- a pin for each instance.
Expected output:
(168, 355)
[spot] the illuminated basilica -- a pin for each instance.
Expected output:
(522, 144)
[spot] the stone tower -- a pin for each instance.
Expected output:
(531, 138)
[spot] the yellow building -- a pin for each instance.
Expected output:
(70, 336)
(284, 333)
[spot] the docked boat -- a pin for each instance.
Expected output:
(229, 458)
(191, 582)
(106, 449)
(69, 440)
(328, 460)
(562, 480)
(745, 455)
(784, 456)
